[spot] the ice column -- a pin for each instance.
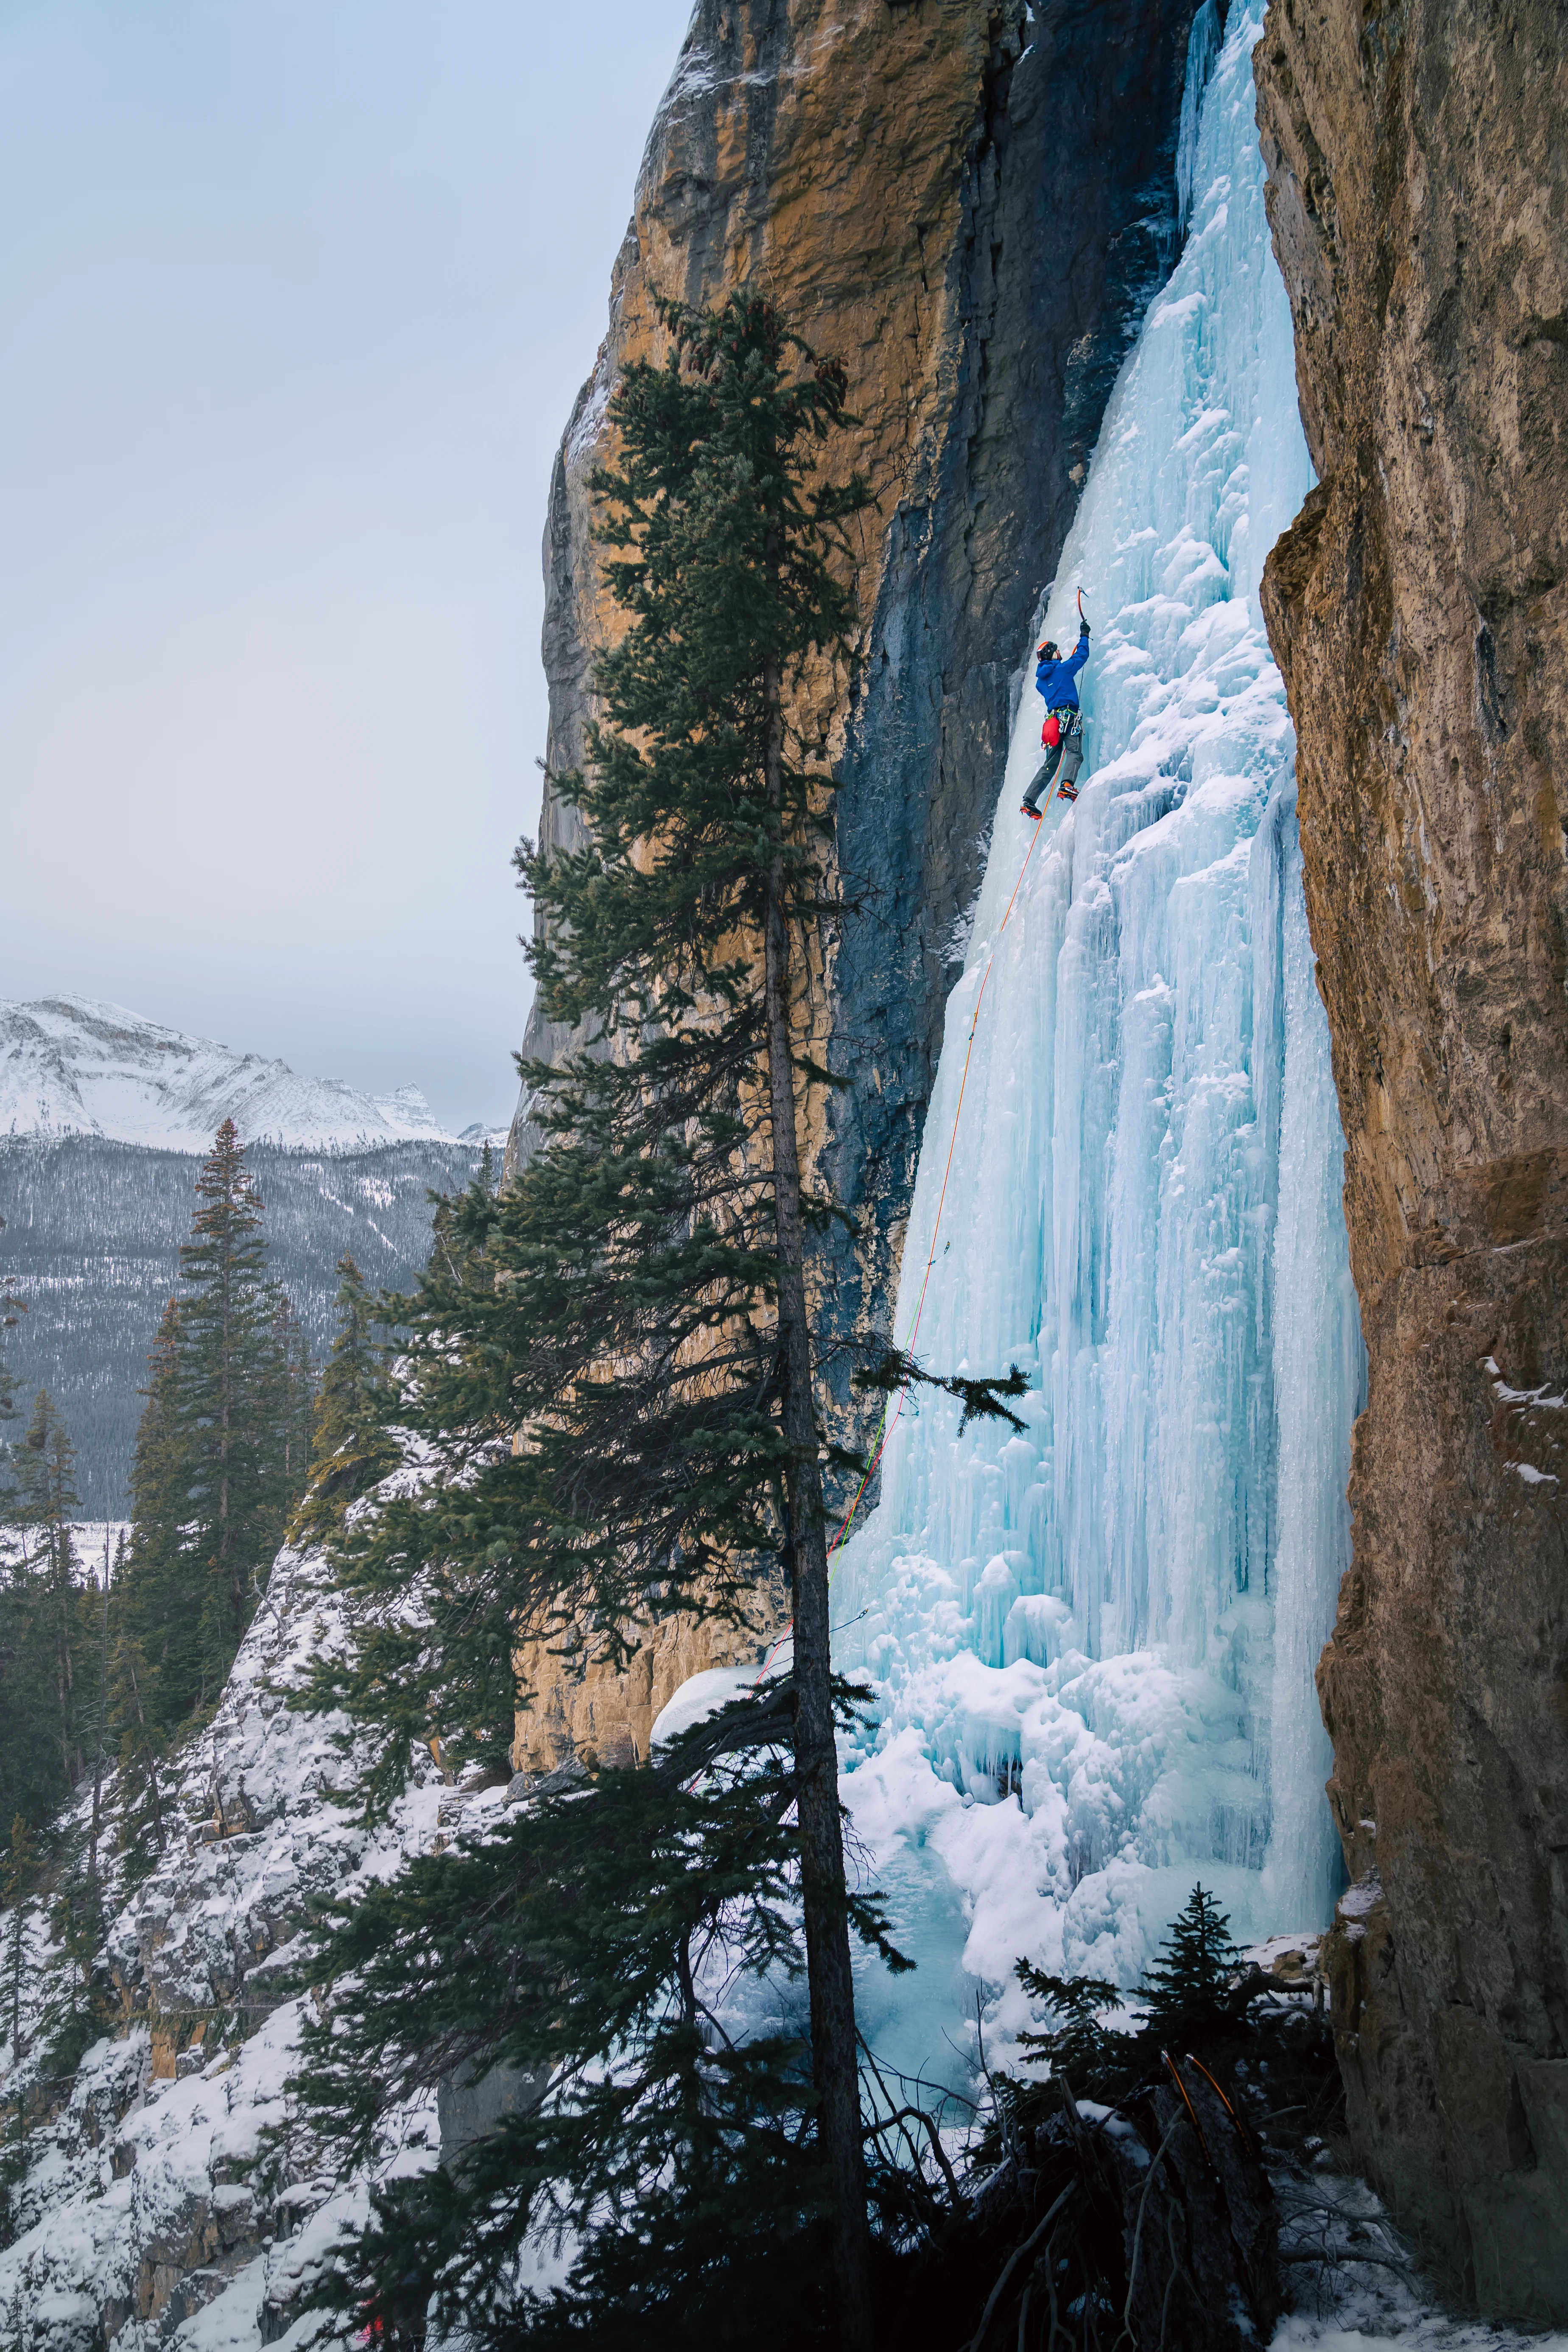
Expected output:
(1091, 1641)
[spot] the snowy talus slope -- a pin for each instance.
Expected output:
(1093, 1641)
(152, 2208)
(70, 1066)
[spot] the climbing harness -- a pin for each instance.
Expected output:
(1061, 738)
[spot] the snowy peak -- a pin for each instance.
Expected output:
(69, 1066)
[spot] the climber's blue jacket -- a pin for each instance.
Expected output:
(1057, 680)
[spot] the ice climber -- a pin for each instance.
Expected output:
(1062, 733)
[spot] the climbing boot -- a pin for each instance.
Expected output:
(1028, 808)
(1067, 792)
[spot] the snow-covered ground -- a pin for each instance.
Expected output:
(71, 1065)
(156, 2204)
(171, 2197)
(1392, 2317)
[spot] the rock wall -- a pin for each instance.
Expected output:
(969, 207)
(1418, 195)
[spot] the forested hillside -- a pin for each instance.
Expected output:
(93, 1235)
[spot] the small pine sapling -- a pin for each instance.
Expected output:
(1091, 2059)
(1195, 1991)
(1197, 1985)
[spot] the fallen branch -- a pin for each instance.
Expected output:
(1014, 2258)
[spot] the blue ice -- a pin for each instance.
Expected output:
(1092, 1643)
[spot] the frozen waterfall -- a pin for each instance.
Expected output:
(1092, 1642)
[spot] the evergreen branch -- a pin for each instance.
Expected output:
(981, 1399)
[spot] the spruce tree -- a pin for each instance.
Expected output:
(142, 1748)
(99, 1752)
(18, 1870)
(607, 1369)
(12, 1310)
(295, 1376)
(1089, 2057)
(22, 1740)
(610, 1364)
(47, 1497)
(1195, 1990)
(31, 1780)
(230, 1394)
(350, 1445)
(222, 1457)
(1191, 1990)
(158, 1601)
(16, 1877)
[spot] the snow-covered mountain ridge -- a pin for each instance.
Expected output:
(74, 1065)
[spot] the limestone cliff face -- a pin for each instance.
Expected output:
(969, 208)
(1419, 193)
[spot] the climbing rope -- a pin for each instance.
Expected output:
(892, 1409)
(895, 1405)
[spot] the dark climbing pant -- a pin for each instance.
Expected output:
(1067, 754)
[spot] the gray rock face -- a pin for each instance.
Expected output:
(970, 209)
(1068, 224)
(1418, 194)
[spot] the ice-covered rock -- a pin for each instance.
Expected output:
(1100, 1631)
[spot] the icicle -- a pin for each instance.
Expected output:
(1092, 1644)
(1203, 47)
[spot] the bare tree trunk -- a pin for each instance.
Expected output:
(834, 2051)
(102, 1712)
(151, 1758)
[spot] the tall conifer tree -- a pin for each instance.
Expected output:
(159, 1598)
(294, 1378)
(18, 1686)
(50, 1495)
(12, 1310)
(222, 1457)
(350, 1445)
(611, 1363)
(228, 1380)
(44, 1626)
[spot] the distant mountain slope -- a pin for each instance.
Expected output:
(94, 1230)
(70, 1066)
(102, 1115)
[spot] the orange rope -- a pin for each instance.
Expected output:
(893, 1408)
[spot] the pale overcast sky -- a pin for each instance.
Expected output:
(295, 296)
